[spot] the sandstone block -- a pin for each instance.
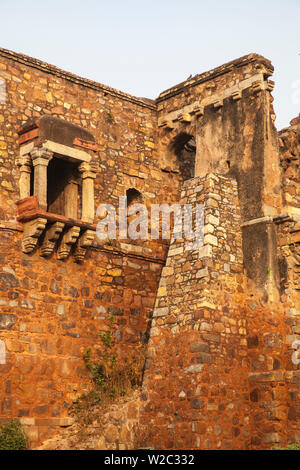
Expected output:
(204, 358)
(199, 347)
(194, 369)
(266, 377)
(210, 240)
(7, 321)
(197, 403)
(272, 438)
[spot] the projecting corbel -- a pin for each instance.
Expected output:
(68, 239)
(167, 124)
(32, 232)
(184, 117)
(270, 85)
(51, 237)
(198, 110)
(236, 95)
(84, 242)
(257, 86)
(218, 103)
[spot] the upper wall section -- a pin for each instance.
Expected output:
(220, 121)
(124, 129)
(56, 71)
(289, 139)
(229, 114)
(240, 69)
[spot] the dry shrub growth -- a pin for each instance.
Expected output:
(112, 377)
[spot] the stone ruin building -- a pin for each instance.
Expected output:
(221, 322)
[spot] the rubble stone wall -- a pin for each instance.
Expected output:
(223, 317)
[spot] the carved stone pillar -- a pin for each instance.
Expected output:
(88, 174)
(40, 160)
(24, 163)
(71, 199)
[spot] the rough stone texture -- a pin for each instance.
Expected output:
(117, 429)
(222, 318)
(208, 329)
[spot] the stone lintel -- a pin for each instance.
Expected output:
(75, 155)
(26, 148)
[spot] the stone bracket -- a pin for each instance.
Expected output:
(184, 117)
(85, 240)
(35, 223)
(236, 95)
(218, 104)
(31, 234)
(51, 237)
(69, 238)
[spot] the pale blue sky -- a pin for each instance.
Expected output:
(143, 47)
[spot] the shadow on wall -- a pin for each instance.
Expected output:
(184, 147)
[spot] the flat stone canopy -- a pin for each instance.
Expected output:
(56, 130)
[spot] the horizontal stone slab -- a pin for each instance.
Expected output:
(267, 377)
(204, 358)
(199, 347)
(194, 369)
(161, 312)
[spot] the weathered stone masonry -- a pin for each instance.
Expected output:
(221, 319)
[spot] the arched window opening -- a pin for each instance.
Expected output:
(133, 196)
(184, 147)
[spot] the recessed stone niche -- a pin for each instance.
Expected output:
(57, 172)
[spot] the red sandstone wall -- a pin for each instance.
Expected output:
(50, 310)
(219, 372)
(248, 395)
(196, 380)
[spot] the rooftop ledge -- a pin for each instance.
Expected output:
(257, 60)
(53, 70)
